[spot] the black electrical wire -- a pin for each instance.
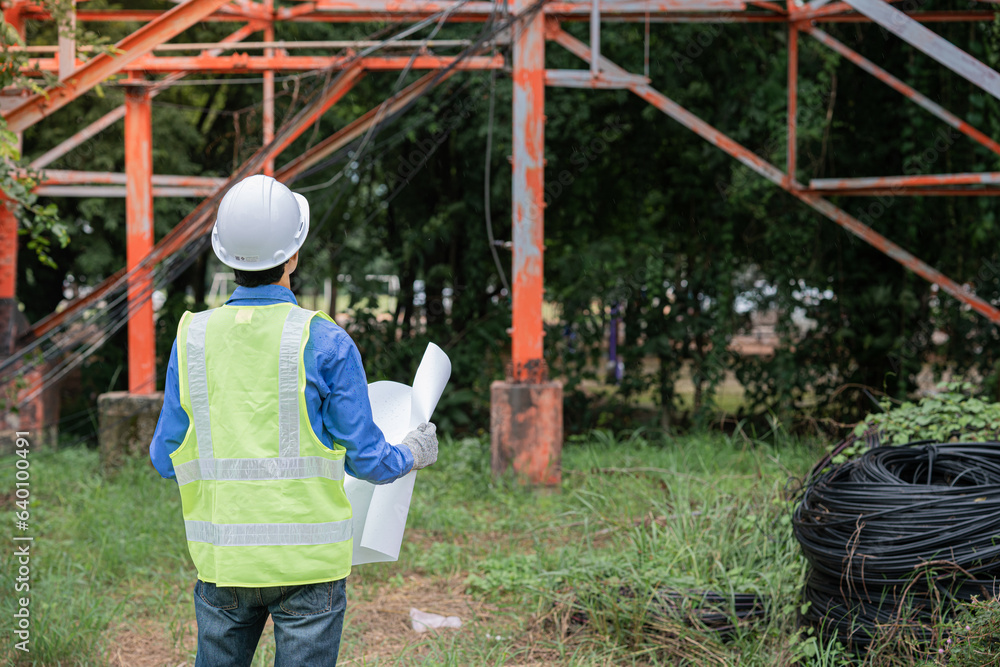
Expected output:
(487, 184)
(899, 535)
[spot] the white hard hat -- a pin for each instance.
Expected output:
(261, 224)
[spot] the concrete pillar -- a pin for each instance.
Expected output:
(126, 423)
(526, 430)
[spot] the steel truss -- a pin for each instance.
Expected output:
(536, 23)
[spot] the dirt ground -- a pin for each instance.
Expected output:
(378, 622)
(149, 644)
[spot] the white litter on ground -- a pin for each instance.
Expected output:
(423, 621)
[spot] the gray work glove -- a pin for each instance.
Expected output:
(423, 443)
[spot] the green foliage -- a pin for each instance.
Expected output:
(950, 413)
(972, 639)
(40, 222)
(89, 572)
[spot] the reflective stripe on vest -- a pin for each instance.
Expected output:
(267, 534)
(299, 467)
(288, 382)
(198, 383)
(288, 465)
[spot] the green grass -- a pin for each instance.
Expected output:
(634, 515)
(103, 551)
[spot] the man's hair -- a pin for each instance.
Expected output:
(258, 278)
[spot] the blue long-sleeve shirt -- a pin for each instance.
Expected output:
(336, 399)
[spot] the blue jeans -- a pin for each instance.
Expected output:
(308, 621)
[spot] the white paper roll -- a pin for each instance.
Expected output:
(380, 511)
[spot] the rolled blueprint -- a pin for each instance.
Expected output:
(380, 511)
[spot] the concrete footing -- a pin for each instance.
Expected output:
(126, 422)
(526, 430)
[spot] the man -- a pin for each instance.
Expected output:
(265, 407)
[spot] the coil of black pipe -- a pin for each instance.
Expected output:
(899, 536)
(709, 611)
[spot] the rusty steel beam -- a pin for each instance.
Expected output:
(770, 6)
(909, 192)
(8, 250)
(935, 46)
(99, 68)
(139, 232)
(223, 45)
(793, 101)
(116, 114)
(38, 13)
(900, 182)
(71, 177)
(578, 78)
(776, 176)
(306, 12)
(908, 91)
(484, 9)
(936, 16)
(120, 191)
(242, 62)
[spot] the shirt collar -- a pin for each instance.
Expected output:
(269, 293)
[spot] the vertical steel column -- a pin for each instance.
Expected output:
(139, 226)
(528, 194)
(269, 89)
(67, 45)
(8, 250)
(12, 15)
(12, 322)
(595, 38)
(526, 428)
(14, 18)
(793, 97)
(34, 409)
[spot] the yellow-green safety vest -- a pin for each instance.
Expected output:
(263, 497)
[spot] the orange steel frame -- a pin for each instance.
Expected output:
(538, 22)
